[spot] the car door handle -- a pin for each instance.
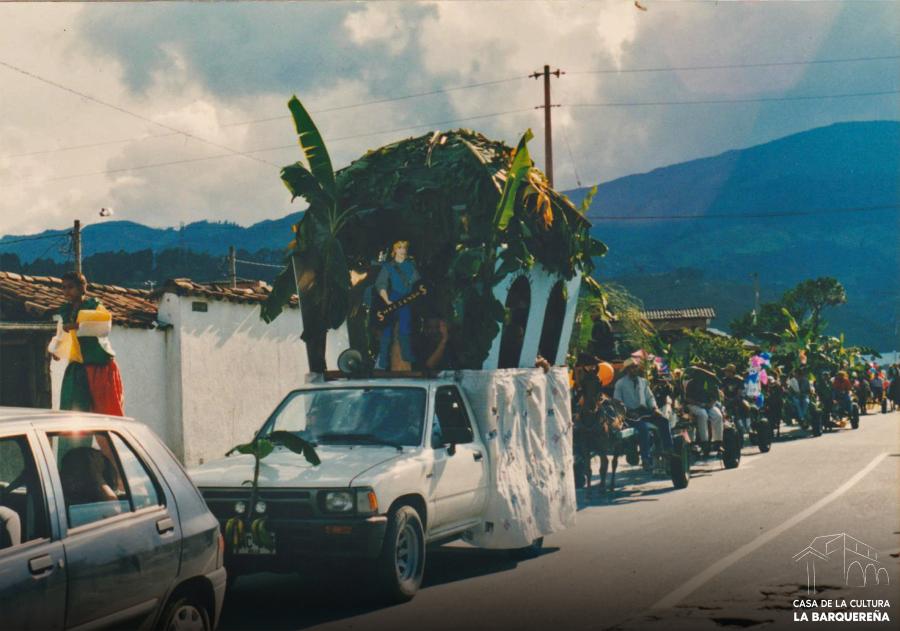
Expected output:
(477, 456)
(40, 565)
(165, 525)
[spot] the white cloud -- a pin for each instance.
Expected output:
(201, 68)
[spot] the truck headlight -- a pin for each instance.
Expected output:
(260, 507)
(240, 507)
(339, 501)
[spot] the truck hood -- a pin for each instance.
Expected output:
(283, 468)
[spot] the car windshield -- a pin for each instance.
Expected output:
(371, 416)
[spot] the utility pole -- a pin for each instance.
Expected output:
(755, 296)
(76, 245)
(548, 126)
(232, 266)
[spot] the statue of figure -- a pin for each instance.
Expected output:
(396, 281)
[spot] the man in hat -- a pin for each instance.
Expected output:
(701, 393)
(634, 392)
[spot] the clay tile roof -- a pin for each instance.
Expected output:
(40, 295)
(679, 314)
(246, 292)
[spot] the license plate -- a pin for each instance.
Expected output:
(249, 547)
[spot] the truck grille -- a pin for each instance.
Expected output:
(280, 504)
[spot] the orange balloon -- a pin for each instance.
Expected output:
(605, 372)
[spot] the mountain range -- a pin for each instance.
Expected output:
(824, 202)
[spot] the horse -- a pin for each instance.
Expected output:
(597, 430)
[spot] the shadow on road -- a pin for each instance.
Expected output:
(279, 602)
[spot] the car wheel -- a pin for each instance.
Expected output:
(402, 561)
(185, 613)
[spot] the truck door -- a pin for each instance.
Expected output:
(459, 481)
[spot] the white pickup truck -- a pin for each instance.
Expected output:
(405, 463)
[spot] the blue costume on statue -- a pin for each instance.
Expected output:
(397, 278)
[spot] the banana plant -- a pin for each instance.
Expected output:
(237, 526)
(316, 265)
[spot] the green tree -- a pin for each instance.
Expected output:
(809, 298)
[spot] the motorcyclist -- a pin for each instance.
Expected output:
(701, 393)
(864, 393)
(733, 391)
(841, 387)
(799, 391)
(634, 392)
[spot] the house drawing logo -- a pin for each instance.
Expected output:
(859, 561)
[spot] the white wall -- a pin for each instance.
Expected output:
(140, 354)
(235, 369)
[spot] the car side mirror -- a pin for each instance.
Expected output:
(453, 436)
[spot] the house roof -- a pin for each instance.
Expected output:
(39, 296)
(679, 314)
(246, 292)
(36, 297)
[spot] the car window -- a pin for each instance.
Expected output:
(92, 481)
(141, 486)
(449, 412)
(23, 512)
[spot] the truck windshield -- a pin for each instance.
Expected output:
(379, 415)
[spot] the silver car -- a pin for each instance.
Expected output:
(100, 526)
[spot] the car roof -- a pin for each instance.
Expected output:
(10, 415)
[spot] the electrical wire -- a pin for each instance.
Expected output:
(259, 264)
(726, 101)
(770, 64)
(751, 215)
(122, 110)
(261, 150)
(36, 238)
(255, 121)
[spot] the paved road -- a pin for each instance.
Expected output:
(718, 554)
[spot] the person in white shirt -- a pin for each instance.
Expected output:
(634, 392)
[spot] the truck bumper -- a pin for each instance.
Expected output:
(301, 541)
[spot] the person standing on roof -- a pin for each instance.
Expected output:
(396, 281)
(92, 382)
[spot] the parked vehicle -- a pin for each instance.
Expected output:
(405, 462)
(101, 527)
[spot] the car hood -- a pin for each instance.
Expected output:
(283, 468)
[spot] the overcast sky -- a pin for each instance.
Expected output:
(207, 69)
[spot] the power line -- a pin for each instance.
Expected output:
(259, 264)
(726, 101)
(337, 108)
(267, 119)
(122, 110)
(736, 66)
(392, 99)
(261, 150)
(43, 236)
(90, 145)
(752, 215)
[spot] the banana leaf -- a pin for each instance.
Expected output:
(313, 146)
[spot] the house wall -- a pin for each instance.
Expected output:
(541, 282)
(235, 369)
(141, 356)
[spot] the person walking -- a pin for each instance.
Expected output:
(91, 382)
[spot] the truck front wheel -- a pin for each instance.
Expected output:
(400, 566)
